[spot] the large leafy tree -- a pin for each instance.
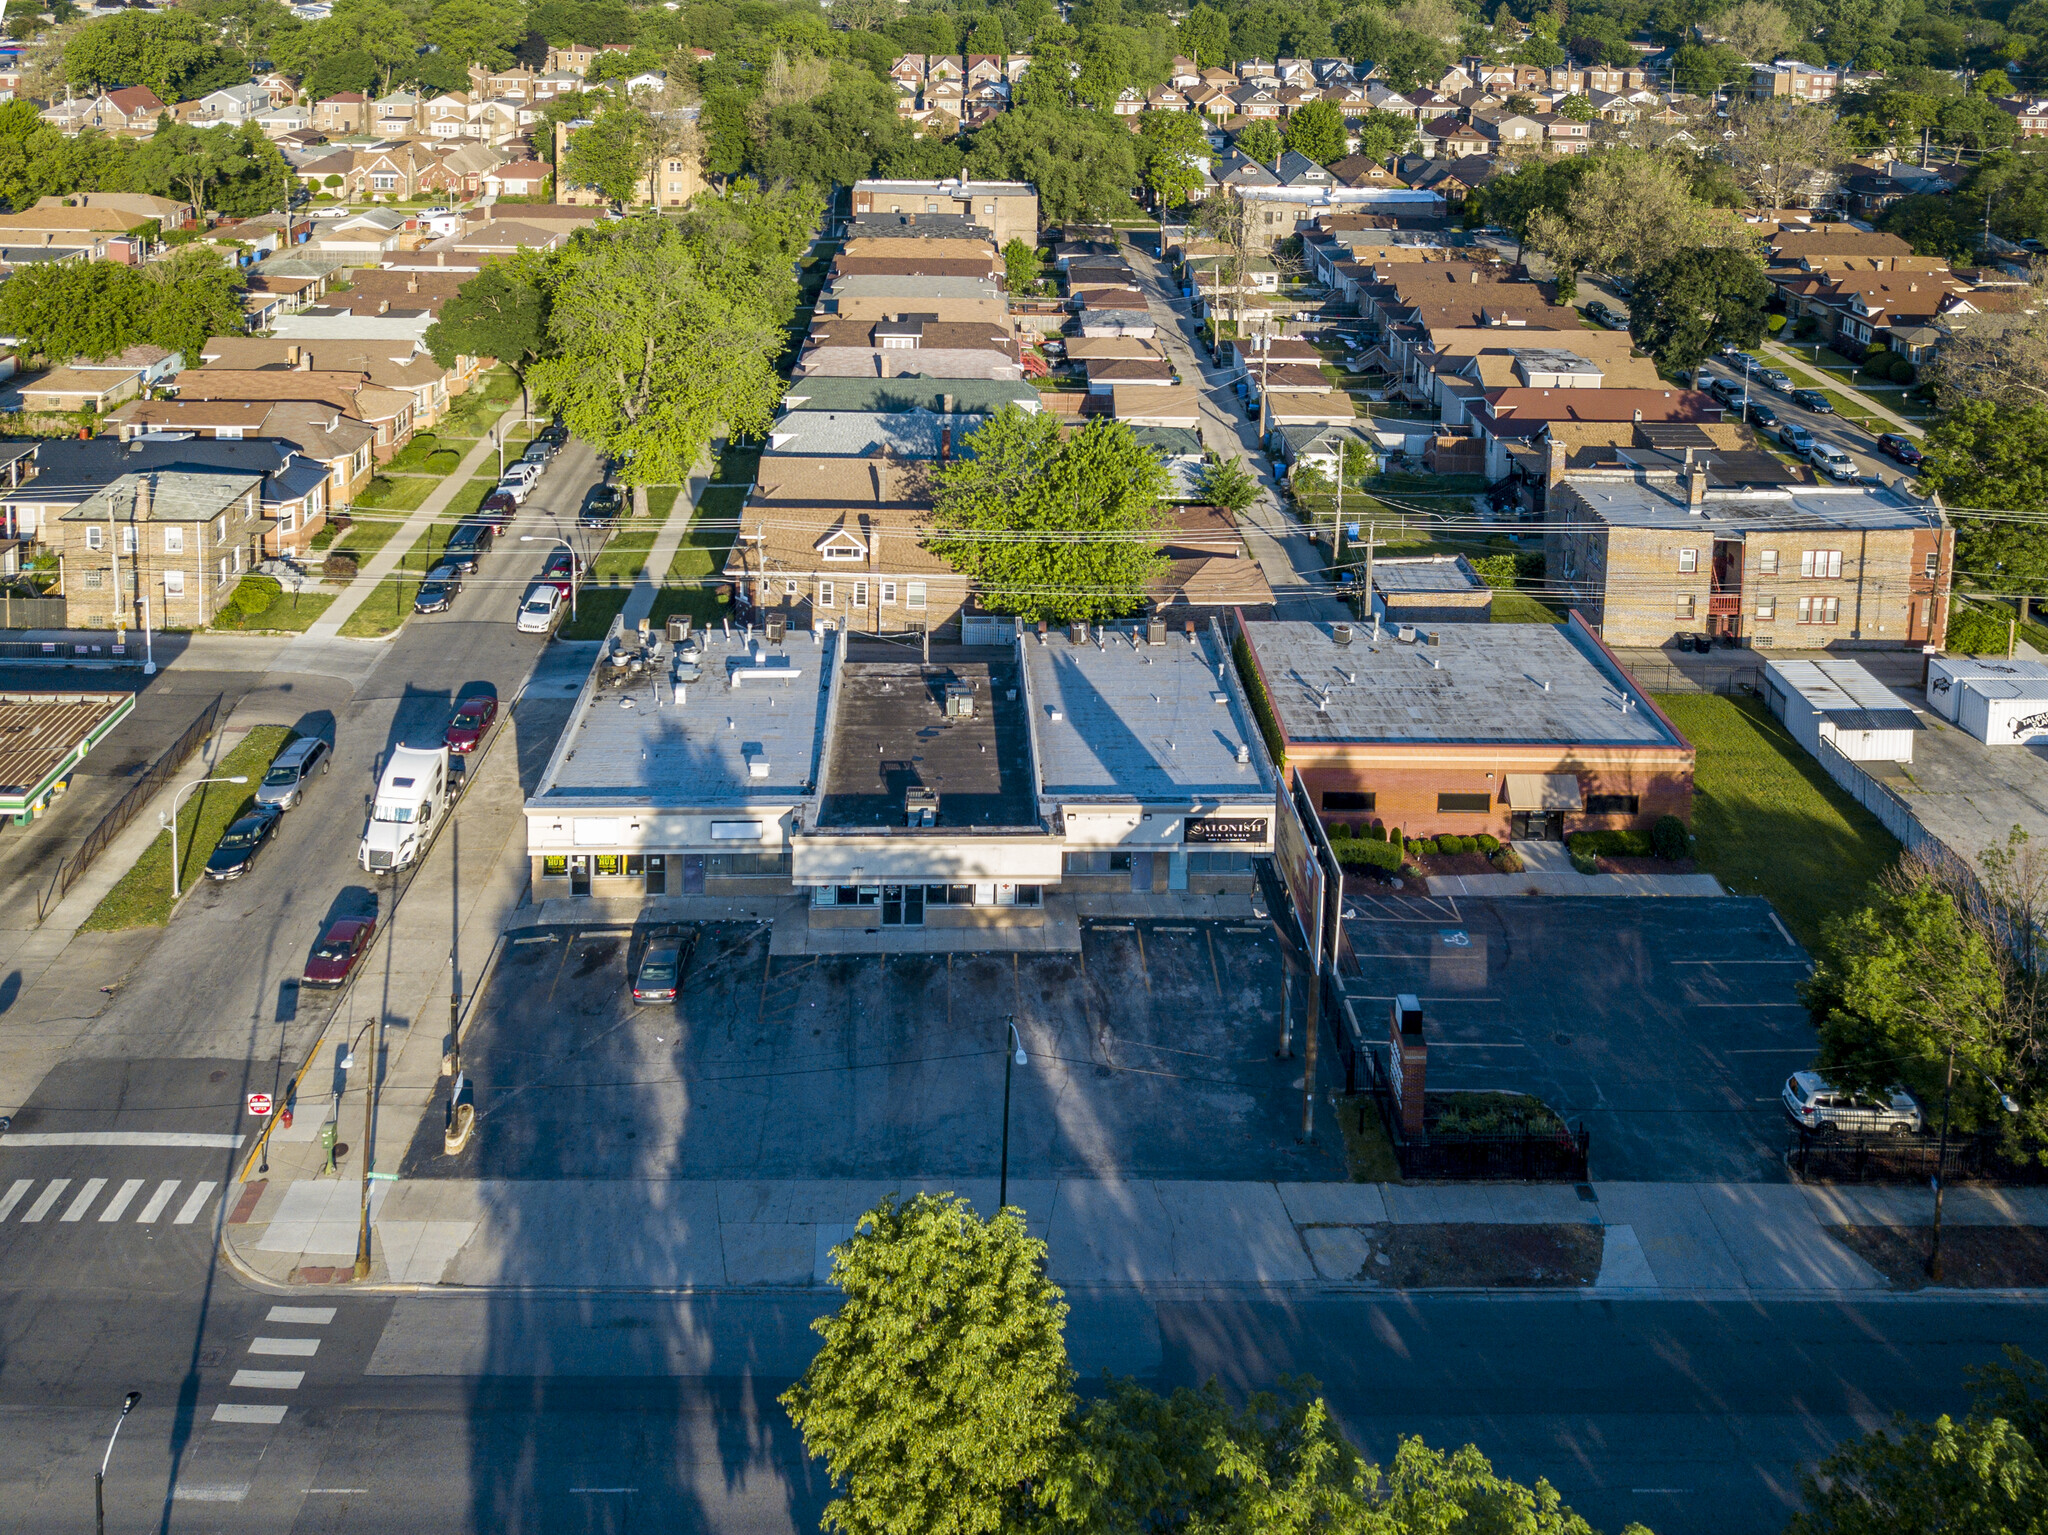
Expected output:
(1630, 210)
(941, 1390)
(1228, 484)
(75, 309)
(646, 359)
(1083, 163)
(195, 295)
(609, 153)
(1052, 529)
(502, 312)
(475, 31)
(1317, 130)
(1989, 457)
(1205, 36)
(1933, 226)
(224, 169)
(1698, 298)
(1382, 135)
(1170, 148)
(164, 50)
(378, 29)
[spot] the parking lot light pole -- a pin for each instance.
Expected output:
(173, 821)
(574, 562)
(2005, 1101)
(1010, 1061)
(99, 1477)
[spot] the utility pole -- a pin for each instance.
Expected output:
(1371, 543)
(1337, 539)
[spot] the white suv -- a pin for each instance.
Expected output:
(1832, 461)
(1816, 1105)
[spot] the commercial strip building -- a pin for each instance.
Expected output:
(894, 790)
(1515, 730)
(46, 736)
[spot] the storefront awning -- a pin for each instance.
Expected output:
(1544, 791)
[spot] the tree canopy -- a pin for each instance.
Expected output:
(1683, 308)
(94, 309)
(1083, 163)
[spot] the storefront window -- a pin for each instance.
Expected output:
(609, 865)
(555, 866)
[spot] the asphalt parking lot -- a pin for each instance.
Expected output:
(1149, 1055)
(1666, 1026)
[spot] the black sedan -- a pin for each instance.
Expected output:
(1813, 400)
(1762, 415)
(663, 965)
(240, 843)
(1901, 447)
(602, 509)
(437, 592)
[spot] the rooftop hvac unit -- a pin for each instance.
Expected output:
(920, 806)
(1077, 633)
(778, 628)
(959, 701)
(1405, 634)
(1434, 638)
(678, 627)
(1155, 631)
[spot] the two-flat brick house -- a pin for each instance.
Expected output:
(1649, 554)
(172, 542)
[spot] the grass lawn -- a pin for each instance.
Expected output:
(1368, 1154)
(386, 608)
(1769, 820)
(596, 607)
(621, 560)
(474, 413)
(142, 897)
(1511, 607)
(426, 454)
(386, 494)
(288, 612)
(661, 500)
(367, 532)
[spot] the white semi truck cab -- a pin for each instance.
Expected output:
(413, 790)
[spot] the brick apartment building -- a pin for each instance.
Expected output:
(176, 542)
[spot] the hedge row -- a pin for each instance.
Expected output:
(1667, 839)
(1377, 833)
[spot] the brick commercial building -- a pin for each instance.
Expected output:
(1008, 210)
(1516, 730)
(1647, 554)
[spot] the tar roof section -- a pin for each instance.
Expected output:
(1631, 502)
(891, 732)
(1120, 718)
(741, 721)
(1478, 683)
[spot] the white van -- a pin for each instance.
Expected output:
(413, 790)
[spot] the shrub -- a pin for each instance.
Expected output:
(1360, 854)
(1978, 631)
(341, 564)
(1496, 570)
(1613, 844)
(1669, 837)
(1507, 861)
(1487, 842)
(1585, 863)
(1394, 838)
(254, 596)
(1903, 372)
(1776, 323)
(1341, 832)
(1375, 832)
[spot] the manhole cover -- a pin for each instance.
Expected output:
(217, 1076)
(1561, 1039)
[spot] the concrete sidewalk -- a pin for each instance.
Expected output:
(1854, 396)
(640, 601)
(1660, 1240)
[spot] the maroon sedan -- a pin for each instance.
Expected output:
(561, 571)
(498, 508)
(335, 955)
(472, 718)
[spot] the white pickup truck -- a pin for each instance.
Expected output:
(413, 790)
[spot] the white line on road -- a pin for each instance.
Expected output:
(267, 1380)
(44, 1200)
(188, 1212)
(157, 1201)
(209, 1494)
(83, 1202)
(302, 1348)
(247, 1412)
(315, 1316)
(118, 1205)
(13, 1196)
(122, 1138)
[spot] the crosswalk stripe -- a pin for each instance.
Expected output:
(303, 1348)
(248, 1412)
(188, 1212)
(83, 1202)
(267, 1380)
(51, 1193)
(157, 1201)
(13, 1196)
(118, 1205)
(312, 1316)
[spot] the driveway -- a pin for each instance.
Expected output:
(1666, 1026)
(1148, 1055)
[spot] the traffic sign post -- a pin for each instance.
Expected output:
(259, 1105)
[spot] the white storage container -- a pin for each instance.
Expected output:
(2002, 712)
(1946, 676)
(1842, 704)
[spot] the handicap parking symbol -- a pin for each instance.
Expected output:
(1456, 938)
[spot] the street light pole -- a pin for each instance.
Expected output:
(574, 563)
(1009, 1061)
(99, 1477)
(195, 783)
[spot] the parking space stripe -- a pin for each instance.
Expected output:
(188, 1212)
(13, 1196)
(157, 1201)
(49, 1196)
(304, 1348)
(118, 1205)
(312, 1316)
(267, 1380)
(248, 1412)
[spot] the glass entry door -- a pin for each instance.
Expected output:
(903, 906)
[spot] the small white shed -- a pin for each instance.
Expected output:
(1947, 676)
(1841, 703)
(2002, 711)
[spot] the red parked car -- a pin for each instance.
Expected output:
(335, 955)
(498, 508)
(473, 717)
(561, 571)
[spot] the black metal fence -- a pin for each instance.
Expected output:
(1729, 679)
(1904, 1159)
(128, 807)
(1559, 1157)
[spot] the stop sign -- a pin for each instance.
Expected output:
(259, 1105)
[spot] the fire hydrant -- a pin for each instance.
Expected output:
(327, 1143)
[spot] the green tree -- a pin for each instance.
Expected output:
(377, 28)
(609, 153)
(1052, 529)
(163, 50)
(1695, 300)
(1576, 108)
(195, 295)
(1046, 83)
(1933, 226)
(475, 31)
(941, 1390)
(1702, 69)
(988, 37)
(1382, 134)
(226, 170)
(1992, 455)
(1227, 483)
(76, 309)
(1020, 266)
(1259, 140)
(1317, 130)
(1204, 36)
(350, 70)
(1083, 163)
(645, 359)
(1170, 147)
(502, 312)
